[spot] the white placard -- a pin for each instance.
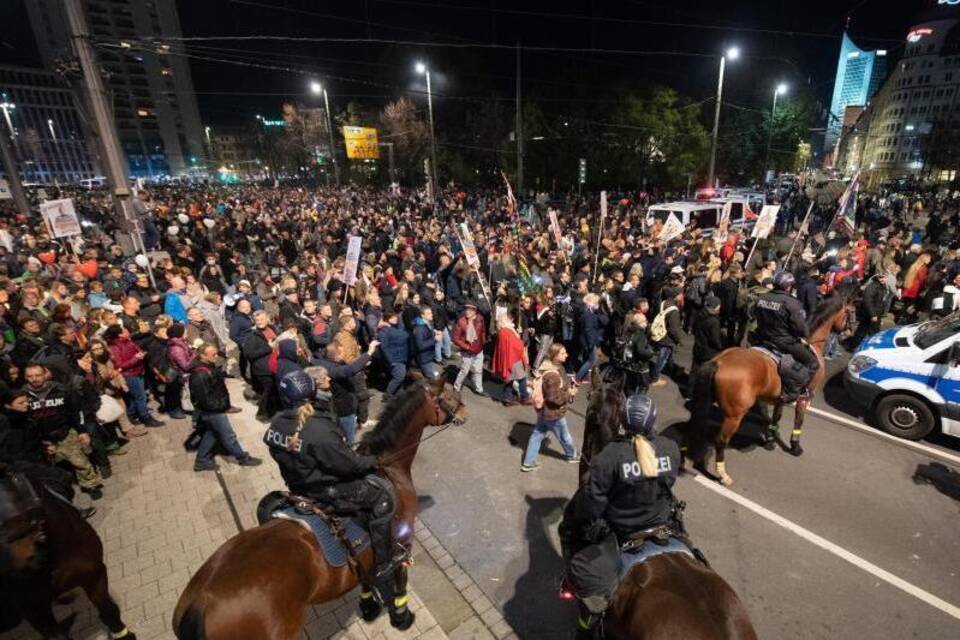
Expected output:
(555, 226)
(603, 205)
(5, 191)
(766, 221)
(61, 218)
(42, 194)
(725, 213)
(672, 228)
(469, 248)
(353, 260)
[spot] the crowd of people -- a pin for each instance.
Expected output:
(251, 282)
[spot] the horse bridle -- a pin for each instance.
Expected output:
(439, 402)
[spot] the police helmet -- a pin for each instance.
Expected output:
(641, 415)
(296, 388)
(784, 281)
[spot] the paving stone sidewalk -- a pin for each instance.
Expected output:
(159, 520)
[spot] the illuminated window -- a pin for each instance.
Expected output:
(166, 71)
(143, 113)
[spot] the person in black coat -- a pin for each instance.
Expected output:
(808, 291)
(346, 400)
(211, 400)
(257, 349)
(707, 337)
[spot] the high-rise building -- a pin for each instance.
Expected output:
(911, 128)
(41, 120)
(153, 100)
(859, 74)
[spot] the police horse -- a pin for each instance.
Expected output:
(257, 584)
(739, 377)
(673, 594)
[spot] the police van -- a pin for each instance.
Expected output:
(704, 214)
(910, 377)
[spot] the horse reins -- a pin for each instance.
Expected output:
(449, 423)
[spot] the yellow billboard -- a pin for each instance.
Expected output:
(361, 143)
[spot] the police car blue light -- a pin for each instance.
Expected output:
(909, 377)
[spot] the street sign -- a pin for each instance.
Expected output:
(583, 170)
(5, 191)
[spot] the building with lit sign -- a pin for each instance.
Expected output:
(859, 74)
(153, 100)
(911, 128)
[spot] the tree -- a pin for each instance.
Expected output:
(410, 136)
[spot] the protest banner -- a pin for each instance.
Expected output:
(353, 261)
(61, 218)
(672, 228)
(555, 226)
(766, 221)
(469, 248)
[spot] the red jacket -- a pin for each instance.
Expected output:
(124, 352)
(460, 335)
(180, 355)
(509, 351)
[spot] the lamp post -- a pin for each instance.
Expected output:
(422, 68)
(781, 88)
(732, 53)
(316, 89)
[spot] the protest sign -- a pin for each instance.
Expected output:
(555, 226)
(766, 221)
(353, 260)
(672, 228)
(469, 248)
(61, 218)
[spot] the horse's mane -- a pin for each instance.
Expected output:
(393, 420)
(605, 415)
(825, 311)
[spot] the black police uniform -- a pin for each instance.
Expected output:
(325, 469)
(781, 323)
(628, 501)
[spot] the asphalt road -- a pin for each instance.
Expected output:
(839, 543)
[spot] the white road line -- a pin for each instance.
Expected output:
(826, 545)
(909, 444)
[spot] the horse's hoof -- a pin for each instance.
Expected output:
(796, 450)
(769, 444)
(370, 609)
(402, 619)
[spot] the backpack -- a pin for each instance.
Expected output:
(658, 328)
(537, 396)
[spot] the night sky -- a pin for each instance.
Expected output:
(800, 47)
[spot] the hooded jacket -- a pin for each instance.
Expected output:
(124, 352)
(288, 360)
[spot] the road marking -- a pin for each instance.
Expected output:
(909, 444)
(826, 545)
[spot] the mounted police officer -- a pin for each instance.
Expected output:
(782, 327)
(317, 463)
(628, 491)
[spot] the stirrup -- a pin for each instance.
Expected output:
(399, 558)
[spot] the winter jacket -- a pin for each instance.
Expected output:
(424, 343)
(460, 336)
(808, 294)
(288, 360)
(555, 388)
(53, 410)
(173, 306)
(707, 338)
(344, 391)
(208, 389)
(180, 355)
(874, 302)
(590, 329)
(124, 352)
(672, 321)
(256, 349)
(241, 325)
(394, 344)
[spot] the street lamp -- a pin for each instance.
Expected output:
(422, 68)
(316, 89)
(7, 107)
(732, 54)
(781, 88)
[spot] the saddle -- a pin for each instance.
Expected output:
(645, 544)
(340, 539)
(793, 375)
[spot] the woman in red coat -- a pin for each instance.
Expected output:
(916, 278)
(510, 361)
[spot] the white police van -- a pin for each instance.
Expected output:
(910, 377)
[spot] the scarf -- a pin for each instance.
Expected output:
(471, 332)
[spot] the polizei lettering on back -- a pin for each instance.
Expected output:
(769, 304)
(632, 469)
(280, 440)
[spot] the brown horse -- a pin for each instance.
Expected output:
(671, 595)
(47, 550)
(738, 378)
(258, 582)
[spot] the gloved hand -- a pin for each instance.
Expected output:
(596, 530)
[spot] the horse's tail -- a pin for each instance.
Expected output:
(191, 625)
(698, 431)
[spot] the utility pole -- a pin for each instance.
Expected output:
(13, 177)
(716, 125)
(519, 128)
(333, 149)
(111, 152)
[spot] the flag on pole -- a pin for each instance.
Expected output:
(511, 199)
(766, 221)
(672, 228)
(846, 218)
(748, 212)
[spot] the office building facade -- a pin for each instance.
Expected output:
(47, 135)
(911, 129)
(153, 100)
(860, 74)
